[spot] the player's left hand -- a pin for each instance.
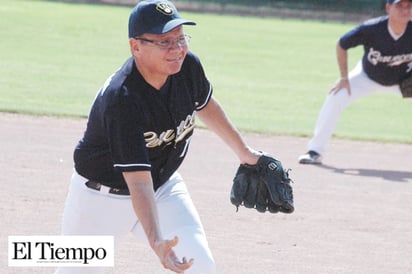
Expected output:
(250, 157)
(264, 186)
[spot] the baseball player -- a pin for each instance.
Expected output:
(138, 133)
(387, 59)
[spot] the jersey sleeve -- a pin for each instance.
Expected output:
(352, 38)
(206, 94)
(362, 34)
(201, 85)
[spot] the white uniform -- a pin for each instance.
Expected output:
(387, 60)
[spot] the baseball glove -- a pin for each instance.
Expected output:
(265, 186)
(406, 87)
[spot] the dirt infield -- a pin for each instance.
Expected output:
(353, 214)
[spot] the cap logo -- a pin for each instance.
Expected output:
(164, 8)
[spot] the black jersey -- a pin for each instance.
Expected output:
(134, 127)
(385, 60)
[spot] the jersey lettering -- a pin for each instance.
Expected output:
(153, 140)
(375, 57)
(185, 127)
(167, 137)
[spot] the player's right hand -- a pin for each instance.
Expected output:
(340, 85)
(168, 258)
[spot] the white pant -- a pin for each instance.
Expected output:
(334, 104)
(90, 212)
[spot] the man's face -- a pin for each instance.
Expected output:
(162, 54)
(400, 12)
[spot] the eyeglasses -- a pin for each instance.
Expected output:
(181, 41)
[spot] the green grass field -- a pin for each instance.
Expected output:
(271, 75)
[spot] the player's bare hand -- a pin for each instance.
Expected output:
(168, 258)
(341, 84)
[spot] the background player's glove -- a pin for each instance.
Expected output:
(406, 87)
(264, 186)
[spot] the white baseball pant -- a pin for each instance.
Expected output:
(90, 212)
(334, 104)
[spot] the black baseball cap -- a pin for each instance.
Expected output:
(155, 17)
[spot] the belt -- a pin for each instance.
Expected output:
(99, 187)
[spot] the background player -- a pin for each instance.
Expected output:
(387, 59)
(137, 135)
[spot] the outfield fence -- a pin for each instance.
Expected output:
(325, 5)
(324, 10)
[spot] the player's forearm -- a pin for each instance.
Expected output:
(143, 200)
(342, 59)
(216, 120)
